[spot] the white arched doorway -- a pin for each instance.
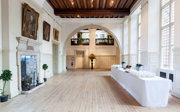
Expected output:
(91, 26)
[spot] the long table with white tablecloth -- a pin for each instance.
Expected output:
(149, 92)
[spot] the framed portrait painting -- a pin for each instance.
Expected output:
(46, 31)
(29, 22)
(56, 34)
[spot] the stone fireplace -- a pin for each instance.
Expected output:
(28, 64)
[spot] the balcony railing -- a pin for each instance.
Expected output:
(104, 41)
(79, 41)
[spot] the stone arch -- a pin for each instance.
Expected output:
(91, 26)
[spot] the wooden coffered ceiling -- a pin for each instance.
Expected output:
(92, 8)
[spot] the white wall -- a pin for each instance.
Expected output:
(176, 85)
(5, 37)
(126, 46)
(0, 43)
(14, 15)
(130, 35)
(125, 42)
(144, 38)
(150, 44)
(134, 36)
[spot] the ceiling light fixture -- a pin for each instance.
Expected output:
(111, 3)
(92, 3)
(78, 16)
(72, 2)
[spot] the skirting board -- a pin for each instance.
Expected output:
(175, 95)
(34, 89)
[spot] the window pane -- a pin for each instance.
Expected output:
(164, 2)
(139, 33)
(165, 57)
(172, 35)
(172, 12)
(172, 58)
(165, 37)
(139, 57)
(165, 16)
(139, 19)
(167, 33)
(139, 44)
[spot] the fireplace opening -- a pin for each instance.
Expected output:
(28, 72)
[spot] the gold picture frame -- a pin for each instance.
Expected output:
(46, 31)
(29, 22)
(55, 34)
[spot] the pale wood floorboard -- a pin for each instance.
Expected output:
(81, 91)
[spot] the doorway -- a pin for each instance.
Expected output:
(79, 60)
(55, 58)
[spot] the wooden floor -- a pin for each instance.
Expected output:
(81, 91)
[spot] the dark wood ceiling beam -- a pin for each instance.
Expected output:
(98, 2)
(55, 5)
(95, 4)
(107, 4)
(88, 4)
(79, 4)
(104, 3)
(67, 3)
(85, 3)
(116, 3)
(60, 4)
(126, 3)
(101, 3)
(89, 12)
(62, 1)
(111, 10)
(121, 4)
(132, 4)
(82, 4)
(75, 4)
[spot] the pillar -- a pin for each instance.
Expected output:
(150, 35)
(125, 42)
(92, 44)
(129, 40)
(92, 37)
(133, 38)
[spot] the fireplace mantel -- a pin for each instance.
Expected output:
(27, 47)
(26, 44)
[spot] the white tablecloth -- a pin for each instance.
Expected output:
(149, 92)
